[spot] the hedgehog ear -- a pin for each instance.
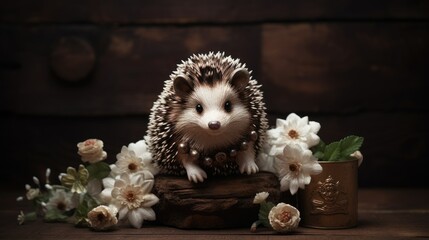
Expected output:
(240, 78)
(183, 86)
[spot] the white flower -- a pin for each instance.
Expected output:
(141, 150)
(284, 217)
(108, 184)
(292, 130)
(36, 181)
(131, 195)
(21, 218)
(295, 166)
(134, 158)
(75, 180)
(32, 193)
(260, 197)
(94, 187)
(265, 162)
(91, 150)
(102, 217)
(61, 201)
(47, 174)
(358, 155)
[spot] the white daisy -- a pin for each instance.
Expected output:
(292, 130)
(134, 158)
(141, 150)
(132, 197)
(295, 166)
(109, 184)
(62, 201)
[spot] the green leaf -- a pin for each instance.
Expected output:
(264, 210)
(319, 155)
(82, 222)
(332, 152)
(98, 170)
(318, 150)
(350, 145)
(86, 205)
(54, 215)
(320, 147)
(339, 150)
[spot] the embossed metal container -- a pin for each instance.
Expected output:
(330, 200)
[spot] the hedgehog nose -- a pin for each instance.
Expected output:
(214, 125)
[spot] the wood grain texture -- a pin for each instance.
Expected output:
(132, 65)
(217, 203)
(345, 67)
(194, 11)
(383, 214)
(326, 67)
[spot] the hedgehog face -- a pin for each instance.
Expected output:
(214, 115)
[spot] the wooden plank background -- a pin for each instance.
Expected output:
(357, 67)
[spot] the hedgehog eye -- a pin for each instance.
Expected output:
(227, 106)
(199, 108)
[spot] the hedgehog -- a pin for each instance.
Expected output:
(209, 119)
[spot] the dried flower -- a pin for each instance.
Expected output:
(295, 166)
(91, 150)
(102, 217)
(284, 217)
(260, 197)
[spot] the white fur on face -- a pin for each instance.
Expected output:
(194, 125)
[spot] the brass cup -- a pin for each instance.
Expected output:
(330, 200)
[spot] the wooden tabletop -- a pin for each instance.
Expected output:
(383, 214)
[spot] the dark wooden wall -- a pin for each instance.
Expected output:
(89, 68)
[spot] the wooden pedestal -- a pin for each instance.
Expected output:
(218, 202)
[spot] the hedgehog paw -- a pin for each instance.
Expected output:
(249, 167)
(196, 174)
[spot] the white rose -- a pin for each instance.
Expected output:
(260, 197)
(102, 217)
(284, 217)
(91, 150)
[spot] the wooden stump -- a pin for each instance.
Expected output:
(218, 202)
